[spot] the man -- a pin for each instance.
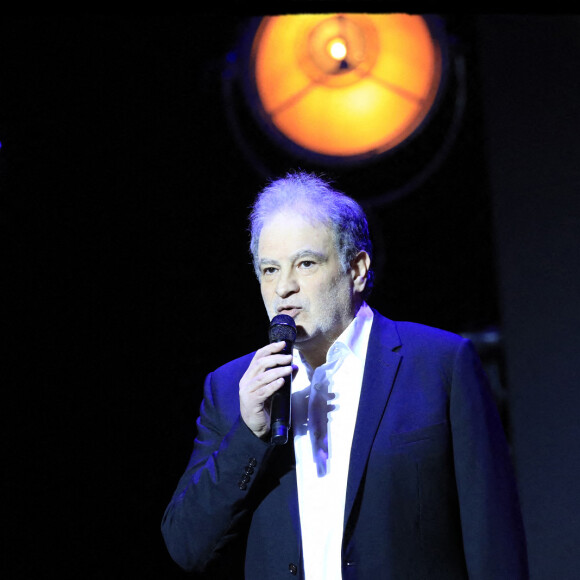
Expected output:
(397, 465)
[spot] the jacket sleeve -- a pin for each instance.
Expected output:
(211, 499)
(493, 534)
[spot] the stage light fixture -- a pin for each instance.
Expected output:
(343, 86)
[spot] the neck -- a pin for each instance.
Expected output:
(316, 357)
(315, 354)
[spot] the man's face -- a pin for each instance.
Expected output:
(301, 275)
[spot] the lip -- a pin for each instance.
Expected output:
(290, 310)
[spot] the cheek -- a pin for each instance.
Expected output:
(338, 295)
(323, 296)
(267, 296)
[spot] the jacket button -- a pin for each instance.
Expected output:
(252, 462)
(293, 569)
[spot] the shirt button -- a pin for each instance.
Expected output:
(293, 569)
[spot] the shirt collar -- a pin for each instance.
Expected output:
(355, 336)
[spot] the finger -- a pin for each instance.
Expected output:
(274, 374)
(274, 360)
(264, 392)
(266, 377)
(256, 396)
(271, 348)
(260, 365)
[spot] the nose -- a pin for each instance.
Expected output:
(287, 284)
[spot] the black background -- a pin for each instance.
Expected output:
(125, 191)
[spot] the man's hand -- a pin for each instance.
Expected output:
(264, 376)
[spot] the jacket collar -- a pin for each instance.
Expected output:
(382, 363)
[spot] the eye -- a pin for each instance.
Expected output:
(307, 264)
(268, 271)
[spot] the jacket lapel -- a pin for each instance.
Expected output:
(381, 367)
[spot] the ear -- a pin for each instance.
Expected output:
(359, 268)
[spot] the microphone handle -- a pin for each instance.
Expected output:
(280, 414)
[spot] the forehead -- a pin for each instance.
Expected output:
(290, 231)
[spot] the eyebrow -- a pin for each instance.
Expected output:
(309, 253)
(296, 256)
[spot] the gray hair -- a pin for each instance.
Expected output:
(317, 200)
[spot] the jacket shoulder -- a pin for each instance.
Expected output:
(413, 331)
(420, 332)
(415, 339)
(234, 366)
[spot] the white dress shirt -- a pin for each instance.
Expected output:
(324, 410)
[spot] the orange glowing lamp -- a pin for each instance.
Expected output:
(345, 85)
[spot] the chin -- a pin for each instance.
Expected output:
(301, 334)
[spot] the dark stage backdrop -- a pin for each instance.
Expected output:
(124, 196)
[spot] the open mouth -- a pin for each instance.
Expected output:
(292, 311)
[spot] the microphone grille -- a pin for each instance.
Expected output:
(282, 327)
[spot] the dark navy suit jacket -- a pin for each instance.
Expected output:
(430, 494)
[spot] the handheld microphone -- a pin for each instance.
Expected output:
(282, 327)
